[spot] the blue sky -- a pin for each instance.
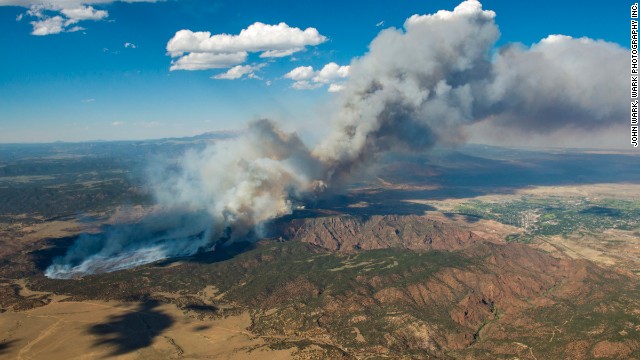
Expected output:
(86, 85)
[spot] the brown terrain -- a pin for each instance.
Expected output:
(392, 269)
(489, 300)
(447, 290)
(350, 234)
(470, 253)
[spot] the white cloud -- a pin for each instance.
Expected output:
(305, 78)
(335, 87)
(36, 11)
(380, 23)
(203, 61)
(90, 100)
(238, 72)
(271, 41)
(74, 29)
(84, 13)
(48, 26)
(130, 45)
(305, 85)
(57, 16)
(64, 3)
(279, 53)
(300, 73)
(277, 39)
(331, 72)
(117, 123)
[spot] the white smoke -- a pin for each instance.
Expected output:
(216, 195)
(244, 181)
(160, 235)
(416, 87)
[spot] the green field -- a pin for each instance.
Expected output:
(550, 216)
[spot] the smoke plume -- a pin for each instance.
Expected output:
(161, 235)
(242, 182)
(419, 86)
(416, 87)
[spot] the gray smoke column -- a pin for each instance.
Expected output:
(420, 86)
(416, 87)
(560, 83)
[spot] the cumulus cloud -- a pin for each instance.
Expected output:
(203, 61)
(130, 45)
(84, 13)
(335, 87)
(331, 72)
(305, 78)
(300, 73)
(257, 37)
(54, 17)
(269, 40)
(48, 26)
(238, 72)
(280, 53)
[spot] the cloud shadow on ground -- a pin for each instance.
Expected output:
(133, 330)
